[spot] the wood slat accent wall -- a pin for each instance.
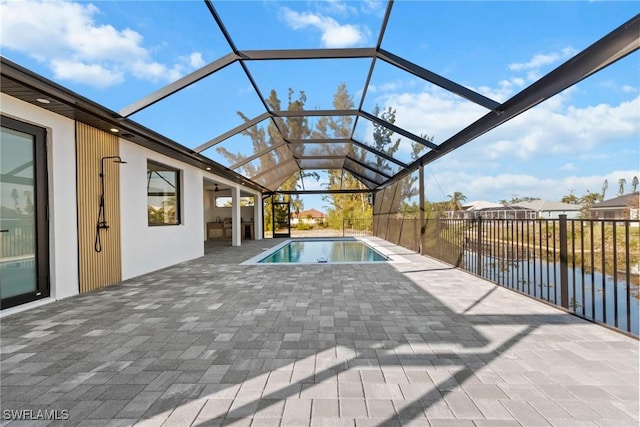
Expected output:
(97, 269)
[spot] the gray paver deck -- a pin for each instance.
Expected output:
(213, 342)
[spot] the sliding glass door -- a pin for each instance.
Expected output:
(24, 267)
(281, 219)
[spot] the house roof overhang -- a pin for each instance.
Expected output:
(27, 86)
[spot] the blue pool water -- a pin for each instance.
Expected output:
(324, 251)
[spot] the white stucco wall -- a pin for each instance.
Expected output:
(63, 219)
(145, 248)
(556, 214)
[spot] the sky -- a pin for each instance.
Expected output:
(116, 53)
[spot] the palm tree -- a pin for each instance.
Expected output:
(634, 184)
(621, 182)
(590, 198)
(15, 197)
(456, 200)
(570, 198)
(605, 185)
(297, 204)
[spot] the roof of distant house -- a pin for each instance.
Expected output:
(506, 208)
(631, 200)
(313, 213)
(548, 206)
(479, 204)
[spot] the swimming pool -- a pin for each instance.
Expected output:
(323, 251)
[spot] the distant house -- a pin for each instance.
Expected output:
(621, 207)
(471, 209)
(505, 212)
(548, 209)
(479, 204)
(309, 216)
(491, 210)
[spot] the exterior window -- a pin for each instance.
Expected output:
(226, 202)
(163, 194)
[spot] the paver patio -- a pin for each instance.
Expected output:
(213, 342)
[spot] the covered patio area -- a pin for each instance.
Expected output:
(213, 342)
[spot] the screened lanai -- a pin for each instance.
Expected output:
(468, 320)
(349, 135)
(285, 115)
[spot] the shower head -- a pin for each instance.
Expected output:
(102, 221)
(116, 159)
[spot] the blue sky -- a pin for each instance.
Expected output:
(118, 52)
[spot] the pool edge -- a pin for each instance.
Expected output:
(391, 257)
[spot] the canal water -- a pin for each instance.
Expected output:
(591, 294)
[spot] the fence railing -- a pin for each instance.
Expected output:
(357, 227)
(401, 231)
(590, 267)
(350, 227)
(17, 239)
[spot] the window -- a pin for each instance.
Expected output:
(163, 194)
(226, 202)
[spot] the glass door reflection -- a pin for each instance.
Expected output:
(19, 278)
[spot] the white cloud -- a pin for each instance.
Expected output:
(434, 112)
(90, 74)
(337, 7)
(567, 167)
(542, 62)
(551, 128)
(502, 186)
(373, 7)
(334, 35)
(594, 183)
(543, 59)
(389, 86)
(65, 36)
(347, 8)
(155, 71)
(530, 155)
(505, 90)
(615, 86)
(311, 183)
(342, 36)
(483, 186)
(195, 60)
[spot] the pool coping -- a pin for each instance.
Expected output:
(392, 257)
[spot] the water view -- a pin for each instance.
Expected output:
(597, 296)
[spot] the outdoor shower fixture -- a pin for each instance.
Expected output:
(102, 220)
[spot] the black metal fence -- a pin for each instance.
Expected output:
(590, 267)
